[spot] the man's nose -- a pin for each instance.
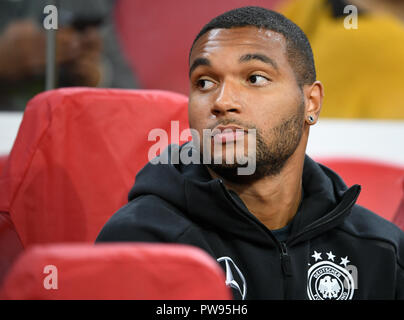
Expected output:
(227, 100)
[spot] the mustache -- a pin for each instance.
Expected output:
(225, 122)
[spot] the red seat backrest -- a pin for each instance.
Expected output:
(76, 156)
(115, 271)
(381, 182)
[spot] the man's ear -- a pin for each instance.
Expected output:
(314, 95)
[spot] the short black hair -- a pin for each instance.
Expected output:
(300, 54)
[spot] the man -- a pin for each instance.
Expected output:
(289, 230)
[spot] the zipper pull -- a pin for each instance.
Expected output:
(285, 260)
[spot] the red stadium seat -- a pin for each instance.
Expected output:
(71, 167)
(115, 271)
(75, 158)
(381, 182)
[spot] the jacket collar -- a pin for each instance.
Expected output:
(207, 202)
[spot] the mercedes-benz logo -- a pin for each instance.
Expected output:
(230, 280)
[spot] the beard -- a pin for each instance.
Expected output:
(271, 157)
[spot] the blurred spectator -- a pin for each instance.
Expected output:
(88, 53)
(361, 69)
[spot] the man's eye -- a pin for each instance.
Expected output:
(205, 84)
(258, 80)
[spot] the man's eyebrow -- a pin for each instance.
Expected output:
(198, 62)
(258, 56)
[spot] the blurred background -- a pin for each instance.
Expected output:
(145, 44)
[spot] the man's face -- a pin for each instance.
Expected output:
(240, 78)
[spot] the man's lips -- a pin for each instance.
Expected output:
(223, 134)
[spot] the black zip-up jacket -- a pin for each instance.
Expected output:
(336, 249)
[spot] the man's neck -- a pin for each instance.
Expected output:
(274, 200)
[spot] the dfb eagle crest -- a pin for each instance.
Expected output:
(327, 280)
(329, 288)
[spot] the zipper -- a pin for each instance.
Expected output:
(286, 269)
(285, 260)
